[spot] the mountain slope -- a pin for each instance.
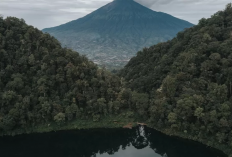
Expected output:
(189, 79)
(115, 32)
(42, 83)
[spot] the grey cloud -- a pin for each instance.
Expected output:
(48, 13)
(150, 3)
(190, 10)
(147, 3)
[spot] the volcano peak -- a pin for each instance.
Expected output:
(113, 34)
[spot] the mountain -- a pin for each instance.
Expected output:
(114, 33)
(189, 80)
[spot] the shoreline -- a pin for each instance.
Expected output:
(179, 135)
(110, 122)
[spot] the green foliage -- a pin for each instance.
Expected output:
(188, 80)
(41, 82)
(199, 112)
(59, 118)
(172, 117)
(141, 102)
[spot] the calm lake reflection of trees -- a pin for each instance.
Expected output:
(94, 142)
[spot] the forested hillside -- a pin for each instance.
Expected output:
(40, 82)
(189, 80)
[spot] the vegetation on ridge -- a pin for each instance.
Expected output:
(189, 81)
(41, 82)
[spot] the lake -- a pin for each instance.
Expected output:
(137, 142)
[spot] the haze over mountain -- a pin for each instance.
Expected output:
(114, 33)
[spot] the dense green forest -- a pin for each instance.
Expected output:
(189, 81)
(182, 87)
(41, 82)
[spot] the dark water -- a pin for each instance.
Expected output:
(138, 142)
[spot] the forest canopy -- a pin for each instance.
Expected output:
(41, 82)
(189, 80)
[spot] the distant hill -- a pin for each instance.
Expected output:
(114, 33)
(189, 79)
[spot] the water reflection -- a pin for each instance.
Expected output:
(138, 142)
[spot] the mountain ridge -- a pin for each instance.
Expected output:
(117, 30)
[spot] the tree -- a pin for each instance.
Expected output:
(141, 102)
(59, 118)
(199, 112)
(169, 86)
(172, 118)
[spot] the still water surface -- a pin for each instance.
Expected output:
(137, 142)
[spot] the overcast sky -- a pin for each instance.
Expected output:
(48, 13)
